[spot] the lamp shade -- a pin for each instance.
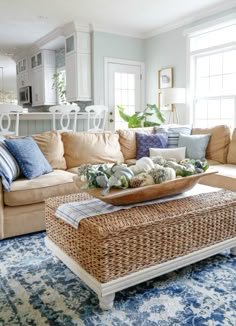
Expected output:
(173, 95)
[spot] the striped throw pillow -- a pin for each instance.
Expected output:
(173, 132)
(9, 168)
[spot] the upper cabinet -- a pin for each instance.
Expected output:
(22, 72)
(78, 66)
(43, 67)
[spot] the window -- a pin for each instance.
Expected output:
(213, 76)
(124, 95)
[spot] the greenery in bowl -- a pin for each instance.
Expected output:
(140, 119)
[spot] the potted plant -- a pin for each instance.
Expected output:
(140, 119)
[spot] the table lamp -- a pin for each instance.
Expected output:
(172, 96)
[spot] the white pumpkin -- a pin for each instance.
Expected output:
(145, 163)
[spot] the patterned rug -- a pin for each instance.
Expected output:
(37, 289)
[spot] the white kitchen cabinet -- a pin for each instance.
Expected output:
(42, 91)
(78, 67)
(42, 71)
(22, 80)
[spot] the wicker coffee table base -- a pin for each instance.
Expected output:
(106, 291)
(132, 246)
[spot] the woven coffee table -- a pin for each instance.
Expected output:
(111, 252)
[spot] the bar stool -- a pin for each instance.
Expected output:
(7, 111)
(66, 116)
(96, 117)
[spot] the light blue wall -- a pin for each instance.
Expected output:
(113, 46)
(169, 50)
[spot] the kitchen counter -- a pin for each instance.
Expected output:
(47, 115)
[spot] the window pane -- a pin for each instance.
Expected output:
(202, 86)
(229, 62)
(201, 110)
(227, 109)
(214, 109)
(131, 81)
(117, 80)
(203, 66)
(201, 124)
(124, 81)
(131, 97)
(118, 98)
(229, 83)
(216, 64)
(124, 97)
(215, 83)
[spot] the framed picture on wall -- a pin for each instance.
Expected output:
(165, 80)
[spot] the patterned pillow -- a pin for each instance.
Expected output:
(29, 157)
(9, 169)
(146, 141)
(173, 132)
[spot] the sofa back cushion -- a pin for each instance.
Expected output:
(231, 159)
(52, 147)
(218, 145)
(127, 139)
(84, 147)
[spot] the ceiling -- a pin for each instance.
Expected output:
(24, 22)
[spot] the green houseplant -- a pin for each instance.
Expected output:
(60, 87)
(140, 119)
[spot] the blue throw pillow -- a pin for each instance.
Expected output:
(146, 141)
(29, 157)
(9, 169)
(195, 145)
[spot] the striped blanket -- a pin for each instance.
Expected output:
(72, 213)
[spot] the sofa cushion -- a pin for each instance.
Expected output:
(195, 145)
(177, 154)
(52, 147)
(127, 139)
(31, 160)
(173, 131)
(24, 192)
(84, 147)
(218, 145)
(9, 168)
(146, 141)
(225, 178)
(231, 158)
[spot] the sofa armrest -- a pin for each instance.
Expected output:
(1, 210)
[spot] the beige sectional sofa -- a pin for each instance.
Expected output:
(22, 209)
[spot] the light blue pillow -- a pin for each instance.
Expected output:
(29, 157)
(9, 169)
(195, 145)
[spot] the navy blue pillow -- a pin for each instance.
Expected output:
(146, 141)
(29, 157)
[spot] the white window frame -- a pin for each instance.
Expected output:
(190, 57)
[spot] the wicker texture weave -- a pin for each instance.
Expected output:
(109, 246)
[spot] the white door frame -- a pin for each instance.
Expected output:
(124, 62)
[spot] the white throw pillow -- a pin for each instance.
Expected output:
(169, 153)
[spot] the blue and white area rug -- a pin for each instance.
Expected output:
(37, 289)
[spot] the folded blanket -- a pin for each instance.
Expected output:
(72, 213)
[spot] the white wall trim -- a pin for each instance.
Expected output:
(213, 10)
(141, 64)
(109, 30)
(211, 25)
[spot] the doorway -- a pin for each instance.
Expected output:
(124, 80)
